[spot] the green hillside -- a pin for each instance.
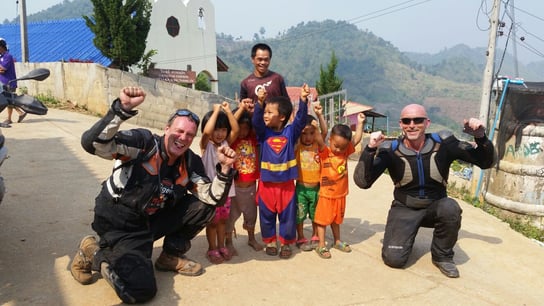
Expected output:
(374, 71)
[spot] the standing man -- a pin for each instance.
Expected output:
(262, 77)
(418, 164)
(158, 188)
(7, 73)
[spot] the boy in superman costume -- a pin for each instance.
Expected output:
(278, 168)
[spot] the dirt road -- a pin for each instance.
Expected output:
(51, 185)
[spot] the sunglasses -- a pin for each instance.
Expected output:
(185, 113)
(418, 120)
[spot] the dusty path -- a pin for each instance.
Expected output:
(51, 185)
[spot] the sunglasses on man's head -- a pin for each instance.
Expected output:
(185, 113)
(418, 120)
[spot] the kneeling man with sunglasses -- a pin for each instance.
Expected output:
(419, 165)
(158, 188)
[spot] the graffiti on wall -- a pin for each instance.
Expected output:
(527, 150)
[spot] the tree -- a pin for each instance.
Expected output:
(328, 81)
(203, 83)
(120, 28)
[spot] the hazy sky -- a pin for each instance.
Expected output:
(410, 25)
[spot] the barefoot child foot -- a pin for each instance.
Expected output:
(255, 245)
(230, 247)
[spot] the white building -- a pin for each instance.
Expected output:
(183, 33)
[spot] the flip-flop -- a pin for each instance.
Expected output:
(225, 253)
(21, 118)
(285, 251)
(272, 251)
(215, 257)
(342, 246)
(323, 252)
(301, 242)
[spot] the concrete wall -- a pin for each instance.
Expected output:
(94, 87)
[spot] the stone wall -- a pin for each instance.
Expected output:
(94, 87)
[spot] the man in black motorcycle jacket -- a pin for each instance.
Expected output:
(418, 163)
(158, 188)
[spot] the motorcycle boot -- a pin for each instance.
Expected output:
(82, 262)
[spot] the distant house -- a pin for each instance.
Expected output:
(352, 110)
(294, 94)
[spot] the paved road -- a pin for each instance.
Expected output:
(51, 185)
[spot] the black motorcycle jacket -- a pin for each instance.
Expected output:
(420, 177)
(141, 177)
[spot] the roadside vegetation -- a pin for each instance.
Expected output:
(520, 224)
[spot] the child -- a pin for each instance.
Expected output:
(278, 167)
(219, 128)
(244, 202)
(309, 169)
(331, 205)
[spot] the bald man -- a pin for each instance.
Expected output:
(418, 164)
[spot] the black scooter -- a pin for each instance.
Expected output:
(25, 102)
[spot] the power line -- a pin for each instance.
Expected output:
(366, 17)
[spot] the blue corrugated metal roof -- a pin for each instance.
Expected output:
(54, 41)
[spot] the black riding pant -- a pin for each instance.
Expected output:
(126, 240)
(403, 223)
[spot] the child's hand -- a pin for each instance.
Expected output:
(225, 107)
(216, 107)
(304, 92)
(247, 104)
(318, 109)
(361, 117)
(261, 94)
(315, 124)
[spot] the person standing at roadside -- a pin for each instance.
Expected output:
(7, 73)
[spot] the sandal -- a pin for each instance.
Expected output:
(271, 249)
(342, 246)
(314, 242)
(285, 251)
(225, 253)
(301, 242)
(215, 257)
(21, 117)
(323, 252)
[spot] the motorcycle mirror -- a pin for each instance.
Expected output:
(39, 74)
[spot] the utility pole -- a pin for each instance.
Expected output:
(24, 35)
(515, 40)
(487, 82)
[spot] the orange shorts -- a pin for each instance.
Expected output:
(330, 210)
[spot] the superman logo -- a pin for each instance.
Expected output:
(277, 143)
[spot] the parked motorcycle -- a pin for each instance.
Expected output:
(27, 103)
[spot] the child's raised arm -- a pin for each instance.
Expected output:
(304, 92)
(359, 129)
(234, 127)
(318, 110)
(319, 136)
(261, 96)
(209, 127)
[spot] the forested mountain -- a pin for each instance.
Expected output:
(65, 10)
(374, 71)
